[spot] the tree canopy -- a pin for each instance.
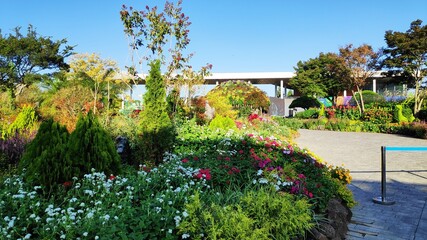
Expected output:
(30, 58)
(406, 55)
(360, 63)
(319, 77)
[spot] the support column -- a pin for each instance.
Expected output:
(281, 89)
(217, 83)
(374, 85)
(345, 93)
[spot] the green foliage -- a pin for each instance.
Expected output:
(305, 102)
(398, 114)
(224, 123)
(291, 123)
(24, 57)
(368, 98)
(221, 105)
(414, 129)
(44, 158)
(90, 147)
(318, 77)
(242, 96)
(260, 214)
(407, 52)
(24, 122)
(157, 129)
(307, 114)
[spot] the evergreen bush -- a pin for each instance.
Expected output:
(158, 132)
(90, 147)
(305, 102)
(44, 159)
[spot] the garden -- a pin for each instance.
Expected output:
(381, 115)
(81, 158)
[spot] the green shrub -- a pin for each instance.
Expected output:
(291, 123)
(44, 158)
(368, 98)
(158, 132)
(305, 102)
(24, 122)
(262, 214)
(415, 129)
(90, 147)
(422, 115)
(220, 122)
(307, 114)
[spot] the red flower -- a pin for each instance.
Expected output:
(227, 159)
(184, 160)
(68, 184)
(204, 173)
(146, 169)
(195, 158)
(112, 177)
(241, 151)
(301, 176)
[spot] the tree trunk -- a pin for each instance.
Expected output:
(362, 104)
(357, 102)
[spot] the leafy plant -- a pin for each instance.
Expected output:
(220, 122)
(307, 114)
(25, 122)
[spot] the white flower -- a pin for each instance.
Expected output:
(185, 235)
(185, 214)
(263, 181)
(170, 231)
(85, 234)
(27, 236)
(259, 172)
(62, 236)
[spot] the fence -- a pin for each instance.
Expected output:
(383, 198)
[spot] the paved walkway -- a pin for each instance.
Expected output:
(406, 181)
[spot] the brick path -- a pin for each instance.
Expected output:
(406, 181)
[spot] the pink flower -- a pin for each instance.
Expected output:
(241, 151)
(184, 160)
(301, 176)
(112, 177)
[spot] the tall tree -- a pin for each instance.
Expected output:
(319, 77)
(161, 35)
(406, 54)
(157, 128)
(30, 58)
(361, 63)
(97, 73)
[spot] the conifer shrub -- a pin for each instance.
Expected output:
(90, 147)
(158, 132)
(44, 159)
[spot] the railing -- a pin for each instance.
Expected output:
(383, 198)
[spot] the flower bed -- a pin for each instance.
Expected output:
(215, 184)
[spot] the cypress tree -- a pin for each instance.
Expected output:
(44, 157)
(157, 128)
(90, 146)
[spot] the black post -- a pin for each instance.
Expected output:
(382, 200)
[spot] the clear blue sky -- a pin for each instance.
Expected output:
(233, 35)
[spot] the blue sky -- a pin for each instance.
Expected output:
(233, 35)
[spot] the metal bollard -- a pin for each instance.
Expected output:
(382, 199)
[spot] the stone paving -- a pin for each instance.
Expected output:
(406, 181)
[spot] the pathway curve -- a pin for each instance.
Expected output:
(406, 181)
